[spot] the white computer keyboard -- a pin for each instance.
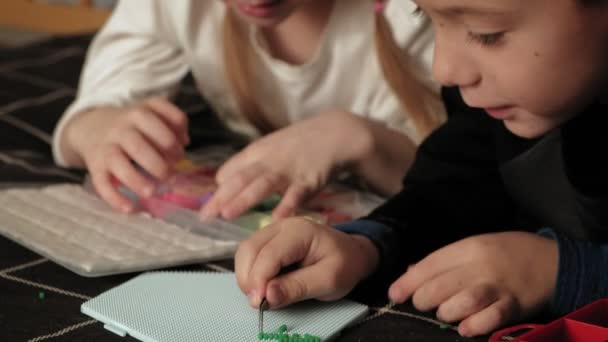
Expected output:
(74, 228)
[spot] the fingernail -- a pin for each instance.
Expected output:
(254, 298)
(126, 208)
(464, 332)
(227, 214)
(276, 294)
(204, 215)
(394, 294)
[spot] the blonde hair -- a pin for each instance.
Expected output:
(416, 98)
(239, 57)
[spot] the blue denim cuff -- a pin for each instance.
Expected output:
(377, 232)
(582, 276)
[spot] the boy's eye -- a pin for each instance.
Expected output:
(486, 39)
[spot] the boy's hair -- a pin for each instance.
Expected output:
(417, 99)
(592, 3)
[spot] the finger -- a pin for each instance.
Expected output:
(492, 317)
(247, 253)
(145, 155)
(467, 302)
(231, 166)
(284, 249)
(437, 290)
(102, 182)
(172, 115)
(227, 191)
(295, 195)
(428, 268)
(156, 131)
(253, 194)
(122, 168)
(304, 283)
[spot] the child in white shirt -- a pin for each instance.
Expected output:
(306, 74)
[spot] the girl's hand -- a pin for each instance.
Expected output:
(483, 281)
(296, 161)
(108, 140)
(330, 262)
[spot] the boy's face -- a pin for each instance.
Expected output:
(264, 12)
(531, 63)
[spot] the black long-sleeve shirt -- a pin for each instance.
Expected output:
(473, 176)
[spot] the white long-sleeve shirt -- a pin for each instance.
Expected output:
(148, 46)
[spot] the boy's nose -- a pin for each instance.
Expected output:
(452, 66)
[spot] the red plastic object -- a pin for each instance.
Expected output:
(588, 324)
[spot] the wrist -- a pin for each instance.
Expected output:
(380, 156)
(357, 136)
(81, 132)
(368, 252)
(71, 141)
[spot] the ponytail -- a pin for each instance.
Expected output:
(418, 101)
(238, 59)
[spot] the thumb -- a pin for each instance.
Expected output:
(311, 282)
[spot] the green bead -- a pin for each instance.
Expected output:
(253, 220)
(41, 295)
(311, 338)
(444, 326)
(269, 203)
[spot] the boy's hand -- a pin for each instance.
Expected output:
(108, 140)
(296, 161)
(484, 281)
(330, 262)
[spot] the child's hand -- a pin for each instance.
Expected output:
(296, 162)
(151, 134)
(484, 281)
(330, 262)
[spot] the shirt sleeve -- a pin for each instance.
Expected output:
(379, 234)
(135, 55)
(584, 142)
(582, 276)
